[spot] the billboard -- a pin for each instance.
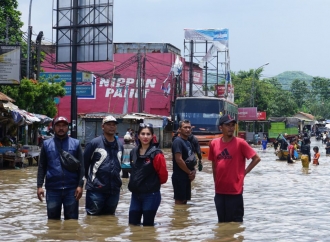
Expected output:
(221, 90)
(66, 76)
(85, 82)
(110, 85)
(10, 64)
(245, 114)
(94, 41)
(219, 37)
(261, 115)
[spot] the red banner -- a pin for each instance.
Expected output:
(261, 115)
(247, 114)
(222, 88)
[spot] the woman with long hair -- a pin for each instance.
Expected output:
(148, 173)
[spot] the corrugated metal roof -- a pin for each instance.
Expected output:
(120, 116)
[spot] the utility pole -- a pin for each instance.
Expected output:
(38, 44)
(206, 91)
(144, 79)
(29, 44)
(139, 82)
(74, 71)
(191, 67)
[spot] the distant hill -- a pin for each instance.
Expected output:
(287, 77)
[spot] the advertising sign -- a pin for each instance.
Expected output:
(67, 76)
(197, 74)
(110, 92)
(85, 84)
(207, 34)
(245, 114)
(221, 90)
(83, 91)
(10, 64)
(261, 115)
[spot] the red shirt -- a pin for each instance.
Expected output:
(229, 164)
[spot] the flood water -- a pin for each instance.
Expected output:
(283, 202)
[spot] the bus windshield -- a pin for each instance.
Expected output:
(203, 114)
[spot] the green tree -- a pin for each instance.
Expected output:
(321, 88)
(300, 92)
(10, 20)
(36, 97)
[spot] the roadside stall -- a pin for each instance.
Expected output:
(12, 151)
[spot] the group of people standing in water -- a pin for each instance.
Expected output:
(100, 168)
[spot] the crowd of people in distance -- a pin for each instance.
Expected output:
(300, 144)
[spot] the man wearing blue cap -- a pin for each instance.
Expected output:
(228, 155)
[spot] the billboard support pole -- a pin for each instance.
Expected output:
(74, 72)
(191, 67)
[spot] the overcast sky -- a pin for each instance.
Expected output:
(292, 35)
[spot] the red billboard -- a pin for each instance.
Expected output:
(112, 79)
(250, 114)
(261, 115)
(247, 114)
(221, 89)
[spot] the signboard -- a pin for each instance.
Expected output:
(85, 82)
(10, 64)
(245, 114)
(221, 89)
(66, 76)
(95, 28)
(197, 74)
(207, 34)
(83, 91)
(261, 115)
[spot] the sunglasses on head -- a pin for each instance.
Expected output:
(148, 125)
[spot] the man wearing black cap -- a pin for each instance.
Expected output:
(102, 157)
(63, 187)
(228, 155)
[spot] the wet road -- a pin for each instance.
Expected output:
(283, 202)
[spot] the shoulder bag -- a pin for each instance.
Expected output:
(68, 161)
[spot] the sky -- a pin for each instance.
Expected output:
(292, 35)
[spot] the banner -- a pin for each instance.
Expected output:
(261, 115)
(221, 90)
(218, 36)
(10, 64)
(245, 114)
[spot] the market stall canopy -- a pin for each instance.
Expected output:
(43, 118)
(20, 116)
(291, 121)
(4, 97)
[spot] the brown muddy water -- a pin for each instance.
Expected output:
(283, 202)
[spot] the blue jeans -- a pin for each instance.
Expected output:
(145, 204)
(98, 203)
(55, 198)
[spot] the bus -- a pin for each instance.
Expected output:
(204, 114)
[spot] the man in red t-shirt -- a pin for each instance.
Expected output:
(228, 155)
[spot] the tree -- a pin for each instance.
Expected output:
(300, 92)
(10, 20)
(36, 96)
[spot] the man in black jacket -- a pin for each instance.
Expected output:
(102, 157)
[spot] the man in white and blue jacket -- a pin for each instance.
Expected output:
(63, 187)
(102, 158)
